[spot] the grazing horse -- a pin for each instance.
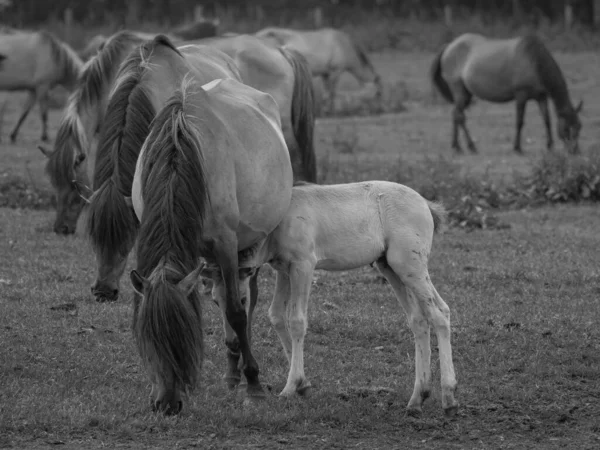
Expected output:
(36, 62)
(283, 74)
(213, 178)
(503, 70)
(71, 163)
(347, 226)
(197, 30)
(329, 53)
(139, 91)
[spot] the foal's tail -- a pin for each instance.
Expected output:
(303, 112)
(437, 78)
(439, 214)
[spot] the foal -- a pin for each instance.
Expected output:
(347, 226)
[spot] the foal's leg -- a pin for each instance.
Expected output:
(31, 99)
(420, 328)
(545, 112)
(277, 311)
(413, 272)
(227, 259)
(300, 283)
(521, 102)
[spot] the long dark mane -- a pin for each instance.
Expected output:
(94, 83)
(65, 57)
(167, 325)
(548, 70)
(111, 224)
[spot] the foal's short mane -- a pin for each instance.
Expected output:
(174, 190)
(548, 70)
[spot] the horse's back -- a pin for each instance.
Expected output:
(210, 63)
(248, 152)
(490, 69)
(27, 59)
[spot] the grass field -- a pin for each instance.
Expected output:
(524, 304)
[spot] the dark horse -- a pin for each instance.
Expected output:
(518, 69)
(213, 178)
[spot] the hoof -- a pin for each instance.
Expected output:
(13, 139)
(450, 411)
(414, 411)
(106, 299)
(518, 150)
(232, 381)
(304, 389)
(44, 138)
(457, 150)
(473, 149)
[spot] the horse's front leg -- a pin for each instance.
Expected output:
(235, 313)
(31, 99)
(297, 320)
(545, 112)
(521, 102)
(43, 101)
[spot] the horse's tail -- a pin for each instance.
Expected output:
(439, 214)
(303, 112)
(174, 186)
(437, 78)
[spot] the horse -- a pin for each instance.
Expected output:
(213, 177)
(281, 73)
(504, 70)
(329, 53)
(36, 62)
(197, 30)
(347, 226)
(71, 162)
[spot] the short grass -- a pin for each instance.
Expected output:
(524, 311)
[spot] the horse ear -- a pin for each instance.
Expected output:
(579, 107)
(45, 151)
(190, 282)
(139, 282)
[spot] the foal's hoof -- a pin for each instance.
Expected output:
(451, 411)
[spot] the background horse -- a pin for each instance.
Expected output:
(36, 62)
(270, 71)
(197, 30)
(329, 53)
(71, 163)
(214, 177)
(503, 70)
(343, 227)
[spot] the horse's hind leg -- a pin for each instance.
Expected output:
(31, 99)
(43, 101)
(413, 272)
(420, 328)
(462, 99)
(297, 321)
(545, 112)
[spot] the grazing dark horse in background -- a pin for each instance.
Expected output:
(36, 62)
(329, 53)
(503, 70)
(71, 163)
(213, 178)
(197, 30)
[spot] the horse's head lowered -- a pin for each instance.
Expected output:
(569, 127)
(72, 189)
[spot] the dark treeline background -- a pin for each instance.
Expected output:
(285, 12)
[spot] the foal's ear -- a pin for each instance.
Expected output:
(190, 282)
(139, 282)
(579, 107)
